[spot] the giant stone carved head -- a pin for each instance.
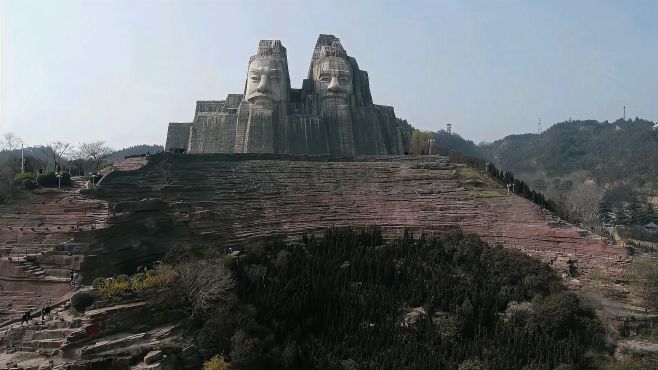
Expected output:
(268, 81)
(332, 74)
(333, 77)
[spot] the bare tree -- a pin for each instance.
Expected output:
(11, 142)
(97, 152)
(585, 198)
(205, 283)
(58, 151)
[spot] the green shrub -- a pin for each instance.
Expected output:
(98, 283)
(163, 275)
(81, 300)
(29, 184)
(50, 180)
(21, 177)
(123, 278)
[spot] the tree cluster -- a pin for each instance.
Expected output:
(347, 300)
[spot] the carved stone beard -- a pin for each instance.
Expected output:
(261, 129)
(339, 128)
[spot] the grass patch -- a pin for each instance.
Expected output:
(216, 363)
(161, 276)
(476, 183)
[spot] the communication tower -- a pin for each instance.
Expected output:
(449, 128)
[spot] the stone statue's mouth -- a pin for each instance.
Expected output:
(260, 99)
(335, 95)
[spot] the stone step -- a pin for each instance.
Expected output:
(44, 343)
(120, 340)
(60, 333)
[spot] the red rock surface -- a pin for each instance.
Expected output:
(37, 248)
(145, 207)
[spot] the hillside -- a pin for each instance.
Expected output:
(609, 151)
(344, 300)
(263, 217)
(601, 172)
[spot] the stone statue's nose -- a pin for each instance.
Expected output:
(333, 84)
(263, 85)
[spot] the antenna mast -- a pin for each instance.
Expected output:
(539, 130)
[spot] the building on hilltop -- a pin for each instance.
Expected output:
(332, 113)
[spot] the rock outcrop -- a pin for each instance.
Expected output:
(126, 332)
(333, 112)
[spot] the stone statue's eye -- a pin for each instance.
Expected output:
(274, 78)
(255, 78)
(325, 78)
(344, 80)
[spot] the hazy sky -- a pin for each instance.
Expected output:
(119, 71)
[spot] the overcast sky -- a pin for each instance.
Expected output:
(119, 71)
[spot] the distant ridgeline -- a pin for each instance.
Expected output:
(332, 113)
(610, 150)
(621, 156)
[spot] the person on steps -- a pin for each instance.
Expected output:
(45, 311)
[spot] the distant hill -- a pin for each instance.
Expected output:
(457, 143)
(600, 171)
(610, 151)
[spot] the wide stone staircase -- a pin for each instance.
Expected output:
(230, 200)
(37, 244)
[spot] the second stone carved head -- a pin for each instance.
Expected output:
(268, 81)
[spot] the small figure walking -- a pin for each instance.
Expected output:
(27, 316)
(45, 311)
(77, 280)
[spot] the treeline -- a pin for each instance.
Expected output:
(517, 186)
(347, 300)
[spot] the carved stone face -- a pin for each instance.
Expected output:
(334, 77)
(266, 82)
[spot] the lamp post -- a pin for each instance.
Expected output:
(22, 159)
(93, 178)
(59, 180)
(431, 140)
